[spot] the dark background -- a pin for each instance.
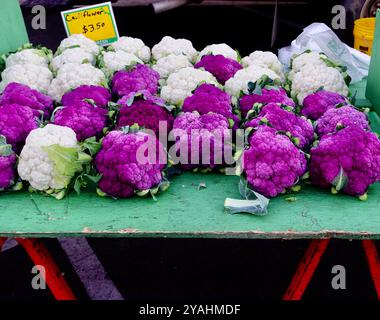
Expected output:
(193, 268)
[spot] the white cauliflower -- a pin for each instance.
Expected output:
(35, 76)
(220, 48)
(169, 45)
(239, 82)
(50, 159)
(311, 77)
(40, 57)
(132, 45)
(307, 58)
(265, 59)
(72, 75)
(79, 40)
(74, 55)
(180, 84)
(111, 61)
(170, 64)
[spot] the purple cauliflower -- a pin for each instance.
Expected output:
(272, 163)
(7, 165)
(348, 160)
(100, 96)
(145, 113)
(281, 119)
(125, 168)
(16, 122)
(208, 98)
(219, 66)
(85, 119)
(316, 104)
(139, 78)
(276, 95)
(344, 116)
(201, 141)
(17, 93)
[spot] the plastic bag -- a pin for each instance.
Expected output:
(319, 37)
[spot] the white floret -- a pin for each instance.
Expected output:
(170, 64)
(134, 46)
(34, 164)
(310, 78)
(220, 48)
(35, 76)
(180, 84)
(169, 45)
(71, 75)
(239, 82)
(265, 59)
(28, 56)
(74, 55)
(117, 60)
(81, 41)
(304, 59)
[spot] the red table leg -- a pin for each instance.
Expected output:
(373, 263)
(54, 279)
(306, 269)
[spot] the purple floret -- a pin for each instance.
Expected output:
(17, 93)
(85, 119)
(144, 113)
(208, 98)
(276, 95)
(219, 66)
(139, 78)
(272, 163)
(316, 104)
(344, 116)
(7, 165)
(284, 120)
(122, 170)
(348, 160)
(16, 122)
(202, 141)
(99, 95)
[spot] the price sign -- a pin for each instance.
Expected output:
(96, 22)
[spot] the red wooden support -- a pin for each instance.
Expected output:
(2, 241)
(306, 269)
(373, 263)
(54, 279)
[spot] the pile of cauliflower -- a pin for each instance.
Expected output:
(88, 115)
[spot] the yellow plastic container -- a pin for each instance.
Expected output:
(364, 31)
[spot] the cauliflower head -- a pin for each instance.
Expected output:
(265, 59)
(79, 40)
(180, 84)
(99, 96)
(72, 75)
(347, 160)
(133, 46)
(39, 57)
(7, 165)
(239, 82)
(169, 45)
(112, 61)
(34, 76)
(272, 163)
(170, 64)
(219, 49)
(74, 55)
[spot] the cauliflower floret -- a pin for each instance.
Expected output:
(74, 55)
(34, 76)
(220, 48)
(170, 64)
(132, 45)
(35, 165)
(73, 75)
(181, 84)
(112, 61)
(310, 78)
(79, 40)
(265, 59)
(169, 45)
(38, 57)
(304, 59)
(239, 82)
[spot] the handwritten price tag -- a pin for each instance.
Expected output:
(96, 22)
